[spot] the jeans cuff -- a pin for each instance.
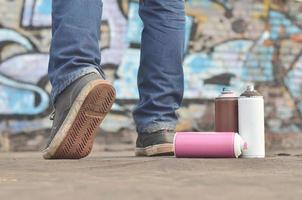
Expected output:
(70, 78)
(156, 127)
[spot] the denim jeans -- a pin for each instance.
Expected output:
(75, 52)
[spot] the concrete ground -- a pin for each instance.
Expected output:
(120, 175)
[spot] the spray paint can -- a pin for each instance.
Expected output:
(251, 122)
(226, 112)
(208, 145)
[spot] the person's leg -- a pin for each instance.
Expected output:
(160, 77)
(74, 50)
(80, 95)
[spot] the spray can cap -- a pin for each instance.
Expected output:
(227, 92)
(250, 92)
(250, 87)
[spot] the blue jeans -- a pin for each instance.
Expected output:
(75, 52)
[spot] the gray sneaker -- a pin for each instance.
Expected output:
(159, 143)
(79, 110)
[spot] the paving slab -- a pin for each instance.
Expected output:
(120, 175)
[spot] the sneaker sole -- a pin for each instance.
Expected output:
(156, 150)
(74, 139)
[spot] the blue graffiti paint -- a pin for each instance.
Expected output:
(33, 66)
(8, 35)
(258, 66)
(36, 13)
(135, 24)
(226, 58)
(293, 80)
(125, 85)
(300, 107)
(19, 126)
(43, 7)
(19, 91)
(18, 98)
(278, 20)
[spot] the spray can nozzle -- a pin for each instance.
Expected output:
(250, 88)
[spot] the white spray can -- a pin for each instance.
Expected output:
(251, 122)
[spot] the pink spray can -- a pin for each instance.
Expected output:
(208, 145)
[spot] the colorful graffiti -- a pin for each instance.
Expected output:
(228, 43)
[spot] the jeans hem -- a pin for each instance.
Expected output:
(70, 78)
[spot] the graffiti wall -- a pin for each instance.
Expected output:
(228, 43)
